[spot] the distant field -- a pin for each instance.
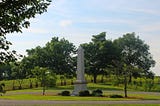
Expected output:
(137, 84)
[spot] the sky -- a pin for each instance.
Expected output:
(78, 20)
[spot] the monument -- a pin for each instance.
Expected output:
(80, 83)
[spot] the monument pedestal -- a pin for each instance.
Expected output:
(79, 86)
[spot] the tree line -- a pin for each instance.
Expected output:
(127, 57)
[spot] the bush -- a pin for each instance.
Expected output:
(84, 93)
(149, 84)
(116, 96)
(97, 92)
(2, 91)
(51, 81)
(65, 93)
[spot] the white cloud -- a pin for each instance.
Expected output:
(36, 30)
(145, 11)
(65, 23)
(154, 27)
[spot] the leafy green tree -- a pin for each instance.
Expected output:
(5, 54)
(45, 76)
(27, 64)
(57, 55)
(2, 91)
(98, 55)
(15, 15)
(134, 54)
(5, 71)
(19, 73)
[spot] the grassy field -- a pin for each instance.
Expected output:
(52, 94)
(108, 88)
(95, 105)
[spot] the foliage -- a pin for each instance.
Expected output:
(51, 80)
(97, 92)
(2, 85)
(65, 93)
(45, 77)
(84, 93)
(5, 54)
(18, 73)
(135, 58)
(135, 52)
(14, 14)
(148, 85)
(98, 55)
(57, 55)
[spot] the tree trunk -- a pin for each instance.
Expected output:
(36, 83)
(95, 78)
(102, 79)
(43, 89)
(20, 83)
(125, 85)
(61, 83)
(31, 85)
(13, 87)
(130, 79)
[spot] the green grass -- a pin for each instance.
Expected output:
(58, 98)
(94, 105)
(108, 89)
(51, 94)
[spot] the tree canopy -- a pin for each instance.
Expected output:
(15, 14)
(57, 55)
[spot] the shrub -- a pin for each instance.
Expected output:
(51, 81)
(2, 91)
(116, 96)
(149, 84)
(84, 93)
(65, 93)
(97, 92)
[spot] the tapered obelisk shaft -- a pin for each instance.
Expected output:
(80, 65)
(80, 84)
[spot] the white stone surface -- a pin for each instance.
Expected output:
(80, 84)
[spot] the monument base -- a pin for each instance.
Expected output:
(79, 86)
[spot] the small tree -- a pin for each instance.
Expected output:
(18, 73)
(2, 91)
(44, 76)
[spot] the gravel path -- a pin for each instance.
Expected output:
(38, 102)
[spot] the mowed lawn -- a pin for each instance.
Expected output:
(52, 94)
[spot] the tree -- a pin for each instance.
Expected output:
(27, 64)
(5, 54)
(2, 91)
(57, 55)
(98, 55)
(19, 73)
(15, 15)
(134, 54)
(45, 76)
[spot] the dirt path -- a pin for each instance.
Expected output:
(38, 102)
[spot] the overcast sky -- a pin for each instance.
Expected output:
(78, 20)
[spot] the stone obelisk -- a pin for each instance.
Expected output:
(80, 83)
